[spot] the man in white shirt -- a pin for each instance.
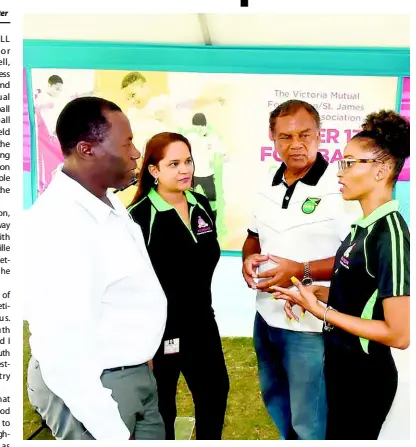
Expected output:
(95, 307)
(298, 224)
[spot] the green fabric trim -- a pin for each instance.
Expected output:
(367, 314)
(152, 221)
(190, 198)
(393, 256)
(161, 205)
(378, 213)
(353, 231)
(131, 207)
(189, 228)
(401, 255)
(370, 229)
(157, 201)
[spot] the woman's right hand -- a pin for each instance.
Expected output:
(289, 311)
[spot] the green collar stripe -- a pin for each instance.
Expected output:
(378, 213)
(161, 205)
(131, 208)
(157, 201)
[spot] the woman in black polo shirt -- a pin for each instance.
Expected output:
(179, 230)
(368, 302)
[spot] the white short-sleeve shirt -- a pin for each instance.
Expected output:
(304, 222)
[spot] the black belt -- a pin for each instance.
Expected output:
(121, 368)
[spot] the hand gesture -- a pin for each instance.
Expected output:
(250, 265)
(303, 297)
(279, 275)
(288, 308)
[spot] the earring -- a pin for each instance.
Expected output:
(377, 177)
(156, 181)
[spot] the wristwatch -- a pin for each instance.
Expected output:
(307, 278)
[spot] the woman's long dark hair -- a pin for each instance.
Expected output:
(155, 151)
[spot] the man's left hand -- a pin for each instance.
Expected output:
(280, 275)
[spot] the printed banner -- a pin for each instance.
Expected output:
(225, 117)
(52, 90)
(405, 111)
(26, 128)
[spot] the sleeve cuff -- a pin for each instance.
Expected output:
(383, 296)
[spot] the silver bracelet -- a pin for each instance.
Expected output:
(328, 326)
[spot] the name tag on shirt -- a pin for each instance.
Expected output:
(172, 346)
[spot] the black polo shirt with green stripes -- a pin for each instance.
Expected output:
(184, 258)
(373, 263)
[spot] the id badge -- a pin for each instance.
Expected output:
(172, 346)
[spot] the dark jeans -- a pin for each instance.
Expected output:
(201, 362)
(292, 381)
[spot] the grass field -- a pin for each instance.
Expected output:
(246, 416)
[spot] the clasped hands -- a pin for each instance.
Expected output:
(277, 281)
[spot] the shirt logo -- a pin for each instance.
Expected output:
(310, 204)
(203, 227)
(344, 259)
(201, 222)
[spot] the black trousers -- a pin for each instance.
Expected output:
(360, 391)
(201, 361)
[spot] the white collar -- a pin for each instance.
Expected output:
(96, 207)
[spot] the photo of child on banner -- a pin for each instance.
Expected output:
(52, 90)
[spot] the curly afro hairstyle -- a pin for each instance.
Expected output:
(387, 135)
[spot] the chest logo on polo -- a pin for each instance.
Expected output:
(203, 227)
(201, 223)
(344, 259)
(310, 204)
